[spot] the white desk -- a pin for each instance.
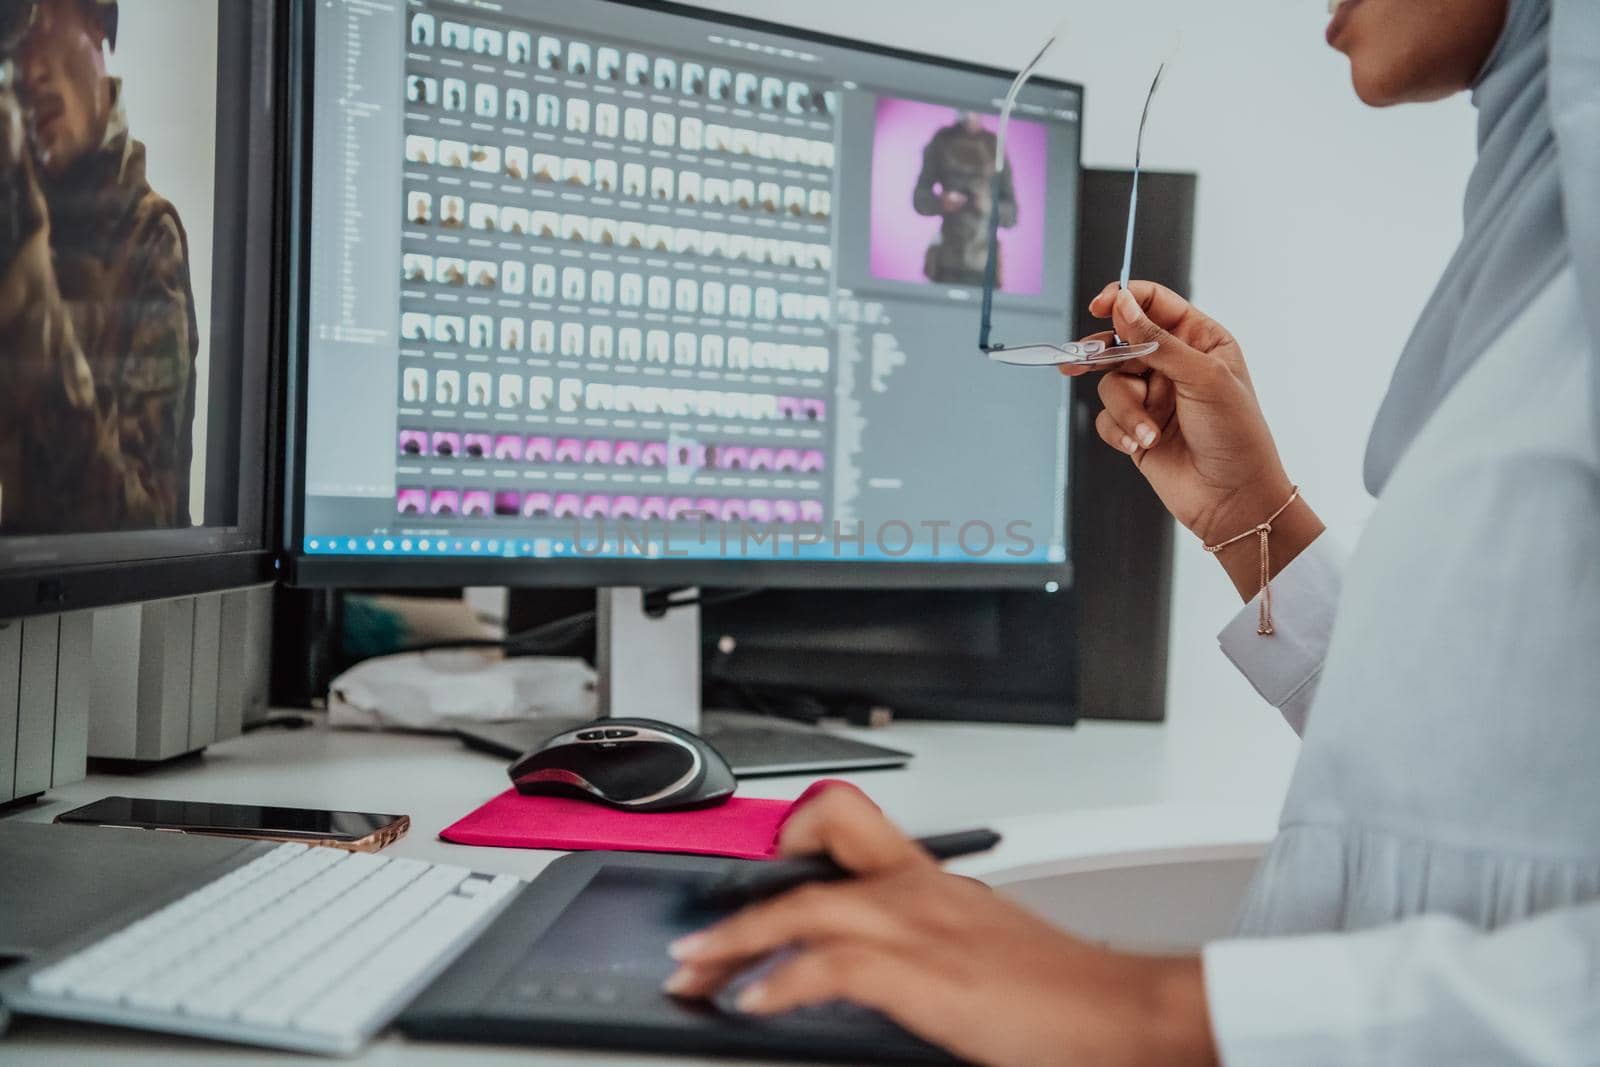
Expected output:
(1091, 798)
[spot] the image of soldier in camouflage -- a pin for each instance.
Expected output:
(957, 184)
(97, 314)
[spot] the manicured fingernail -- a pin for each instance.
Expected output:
(1129, 445)
(678, 982)
(1130, 306)
(1147, 435)
(752, 998)
(686, 947)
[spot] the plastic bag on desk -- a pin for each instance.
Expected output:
(443, 690)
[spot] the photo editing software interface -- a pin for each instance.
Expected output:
(603, 280)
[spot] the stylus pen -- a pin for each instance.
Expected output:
(748, 883)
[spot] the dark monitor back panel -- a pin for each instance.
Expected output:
(1163, 244)
(1121, 535)
(929, 654)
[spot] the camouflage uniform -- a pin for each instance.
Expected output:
(98, 325)
(962, 161)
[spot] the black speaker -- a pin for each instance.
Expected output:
(1122, 536)
(306, 646)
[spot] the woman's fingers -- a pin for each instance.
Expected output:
(1160, 303)
(842, 823)
(839, 822)
(810, 914)
(1173, 357)
(1114, 435)
(870, 976)
(1128, 366)
(1162, 399)
(1126, 400)
(924, 994)
(1169, 312)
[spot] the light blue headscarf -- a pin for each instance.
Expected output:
(1532, 207)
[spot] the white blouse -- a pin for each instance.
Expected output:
(1433, 896)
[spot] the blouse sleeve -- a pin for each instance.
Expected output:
(1426, 990)
(1284, 666)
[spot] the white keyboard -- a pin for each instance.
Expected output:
(313, 949)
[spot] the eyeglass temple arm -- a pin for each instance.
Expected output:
(1127, 244)
(991, 265)
(1138, 166)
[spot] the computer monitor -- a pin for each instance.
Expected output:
(140, 177)
(629, 293)
(138, 279)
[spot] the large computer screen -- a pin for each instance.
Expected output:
(138, 175)
(612, 282)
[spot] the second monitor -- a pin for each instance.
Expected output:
(622, 294)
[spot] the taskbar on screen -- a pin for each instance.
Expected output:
(971, 543)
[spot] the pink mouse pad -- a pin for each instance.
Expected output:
(739, 828)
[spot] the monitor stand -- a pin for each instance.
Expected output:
(649, 667)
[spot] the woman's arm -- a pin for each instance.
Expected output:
(947, 958)
(1188, 418)
(958, 965)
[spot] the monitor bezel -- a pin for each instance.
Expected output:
(49, 587)
(300, 568)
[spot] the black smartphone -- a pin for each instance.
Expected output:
(354, 830)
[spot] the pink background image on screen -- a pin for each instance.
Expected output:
(900, 237)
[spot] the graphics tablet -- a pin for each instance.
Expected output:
(578, 960)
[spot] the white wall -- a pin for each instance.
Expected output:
(1322, 227)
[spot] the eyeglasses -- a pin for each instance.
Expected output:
(1045, 354)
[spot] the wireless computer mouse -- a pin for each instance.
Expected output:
(632, 764)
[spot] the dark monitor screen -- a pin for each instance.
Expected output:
(596, 290)
(138, 178)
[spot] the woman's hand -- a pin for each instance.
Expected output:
(1187, 416)
(946, 958)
